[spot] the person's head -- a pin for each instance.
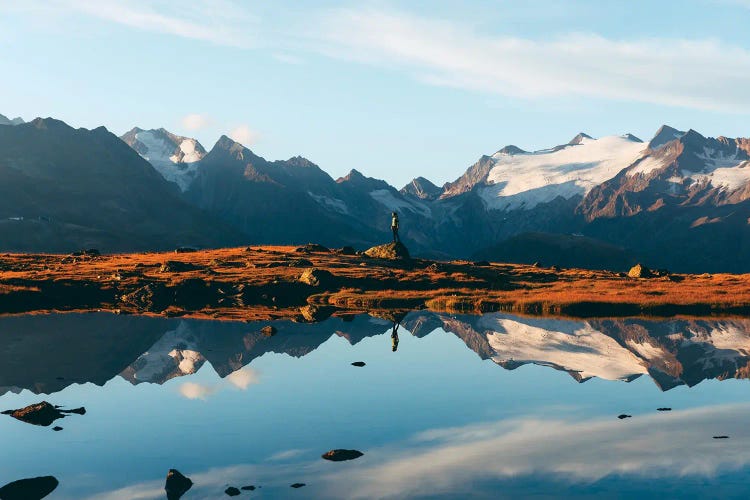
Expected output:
(394, 214)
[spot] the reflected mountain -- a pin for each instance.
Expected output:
(45, 354)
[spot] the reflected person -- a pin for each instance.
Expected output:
(394, 337)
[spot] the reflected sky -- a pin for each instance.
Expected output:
(439, 418)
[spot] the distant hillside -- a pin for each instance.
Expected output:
(558, 249)
(63, 189)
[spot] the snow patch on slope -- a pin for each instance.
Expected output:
(175, 165)
(572, 346)
(332, 203)
(526, 180)
(395, 204)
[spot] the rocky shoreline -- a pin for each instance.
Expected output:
(311, 282)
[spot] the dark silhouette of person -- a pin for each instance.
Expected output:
(394, 337)
(394, 227)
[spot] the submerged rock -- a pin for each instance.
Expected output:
(664, 409)
(232, 491)
(176, 484)
(29, 489)
(42, 414)
(248, 488)
(392, 251)
(358, 363)
(268, 331)
(316, 277)
(341, 455)
(622, 416)
(297, 485)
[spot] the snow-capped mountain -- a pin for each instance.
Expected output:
(519, 180)
(174, 157)
(673, 353)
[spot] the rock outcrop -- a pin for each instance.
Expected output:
(177, 484)
(640, 271)
(29, 489)
(393, 251)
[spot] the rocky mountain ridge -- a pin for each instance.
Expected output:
(680, 200)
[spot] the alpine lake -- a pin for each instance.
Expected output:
(438, 405)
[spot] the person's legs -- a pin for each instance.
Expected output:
(395, 234)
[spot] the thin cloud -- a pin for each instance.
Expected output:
(244, 135)
(244, 378)
(702, 74)
(192, 390)
(219, 22)
(196, 121)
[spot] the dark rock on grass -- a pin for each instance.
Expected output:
(480, 263)
(175, 266)
(176, 484)
(185, 250)
(29, 489)
(299, 263)
(57, 428)
(232, 491)
(316, 277)
(297, 485)
(312, 248)
(664, 409)
(40, 413)
(268, 331)
(341, 455)
(248, 488)
(358, 363)
(391, 251)
(622, 416)
(721, 437)
(347, 250)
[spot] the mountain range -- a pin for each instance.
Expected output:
(679, 201)
(98, 347)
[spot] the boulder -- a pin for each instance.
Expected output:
(392, 251)
(29, 489)
(37, 414)
(232, 491)
(176, 484)
(316, 277)
(640, 271)
(341, 455)
(312, 248)
(175, 266)
(185, 250)
(347, 250)
(268, 331)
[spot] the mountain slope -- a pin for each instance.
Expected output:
(63, 189)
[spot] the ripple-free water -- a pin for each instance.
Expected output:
(489, 407)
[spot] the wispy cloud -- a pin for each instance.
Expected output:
(244, 135)
(192, 390)
(703, 74)
(244, 378)
(217, 21)
(196, 121)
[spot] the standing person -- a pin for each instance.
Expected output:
(394, 227)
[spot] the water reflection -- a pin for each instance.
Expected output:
(80, 348)
(227, 404)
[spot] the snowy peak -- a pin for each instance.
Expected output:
(174, 157)
(579, 139)
(4, 120)
(511, 150)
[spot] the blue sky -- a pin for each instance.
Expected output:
(393, 89)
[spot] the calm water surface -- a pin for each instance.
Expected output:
(467, 406)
